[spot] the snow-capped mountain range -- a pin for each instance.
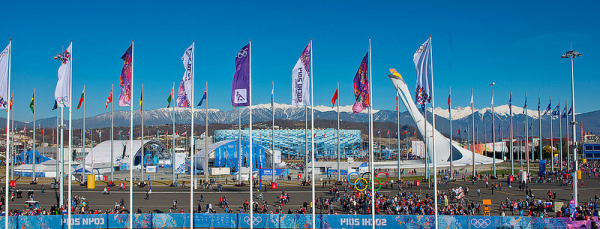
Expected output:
(461, 117)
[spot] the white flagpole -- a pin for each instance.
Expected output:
(83, 140)
(206, 133)
(131, 142)
(338, 132)
(33, 177)
(560, 135)
(192, 148)
(273, 132)
(451, 133)
(372, 165)
(312, 137)
(306, 142)
(251, 153)
(551, 140)
(70, 134)
(512, 164)
(112, 134)
(473, 132)
(526, 136)
(540, 127)
(6, 209)
(173, 134)
(142, 157)
(433, 143)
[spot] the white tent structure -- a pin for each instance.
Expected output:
(461, 156)
(100, 159)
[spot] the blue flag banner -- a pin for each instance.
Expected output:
(240, 88)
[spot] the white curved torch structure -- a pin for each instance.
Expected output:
(461, 156)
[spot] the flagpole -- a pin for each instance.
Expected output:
(312, 137)
(338, 133)
(526, 136)
(112, 130)
(433, 143)
(206, 132)
(493, 134)
(372, 167)
(512, 162)
(540, 126)
(193, 148)
(142, 157)
(273, 131)
(566, 130)
(306, 143)
(173, 137)
(33, 177)
(473, 135)
(131, 142)
(70, 134)
(7, 168)
(83, 178)
(560, 135)
(398, 133)
(451, 133)
(251, 148)
(239, 180)
(551, 141)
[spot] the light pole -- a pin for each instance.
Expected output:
(493, 132)
(572, 55)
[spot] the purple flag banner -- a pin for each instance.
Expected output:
(240, 88)
(125, 97)
(361, 86)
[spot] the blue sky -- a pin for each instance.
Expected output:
(515, 44)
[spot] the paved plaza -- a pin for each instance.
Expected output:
(162, 196)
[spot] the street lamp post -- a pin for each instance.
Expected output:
(572, 55)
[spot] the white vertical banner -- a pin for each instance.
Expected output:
(301, 78)
(184, 94)
(4, 77)
(61, 93)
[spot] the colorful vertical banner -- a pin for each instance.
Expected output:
(125, 80)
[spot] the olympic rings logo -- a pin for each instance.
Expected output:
(255, 220)
(481, 223)
(360, 181)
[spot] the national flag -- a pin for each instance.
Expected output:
(335, 97)
(184, 133)
(422, 60)
(405, 131)
(471, 98)
(32, 103)
(142, 100)
(240, 88)
(170, 97)
(396, 101)
(388, 133)
(570, 110)
(301, 78)
(564, 113)
(449, 103)
(125, 80)
(4, 59)
(184, 94)
(53, 108)
(548, 108)
(466, 130)
(61, 93)
(538, 103)
(396, 134)
(378, 132)
(525, 106)
(272, 94)
(458, 131)
(109, 99)
(361, 86)
(203, 97)
(510, 103)
(81, 99)
(556, 111)
(315, 135)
